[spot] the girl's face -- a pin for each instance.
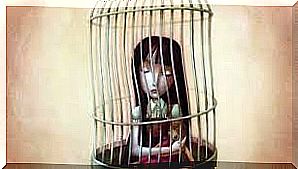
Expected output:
(153, 81)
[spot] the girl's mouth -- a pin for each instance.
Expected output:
(153, 91)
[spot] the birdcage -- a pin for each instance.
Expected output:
(152, 82)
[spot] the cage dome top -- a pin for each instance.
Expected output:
(114, 7)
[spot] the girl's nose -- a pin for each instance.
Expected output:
(156, 74)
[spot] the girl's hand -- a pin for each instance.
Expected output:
(178, 144)
(175, 148)
(136, 113)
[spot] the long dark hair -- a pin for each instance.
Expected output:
(143, 47)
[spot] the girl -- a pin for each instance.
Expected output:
(157, 97)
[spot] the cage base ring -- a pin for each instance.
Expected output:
(209, 162)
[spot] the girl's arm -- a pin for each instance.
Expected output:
(145, 150)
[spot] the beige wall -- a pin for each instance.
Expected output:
(295, 84)
(49, 93)
(90, 3)
(2, 87)
(252, 62)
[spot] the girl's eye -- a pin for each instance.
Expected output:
(168, 73)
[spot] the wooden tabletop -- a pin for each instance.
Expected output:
(220, 165)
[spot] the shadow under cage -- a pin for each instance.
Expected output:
(152, 83)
